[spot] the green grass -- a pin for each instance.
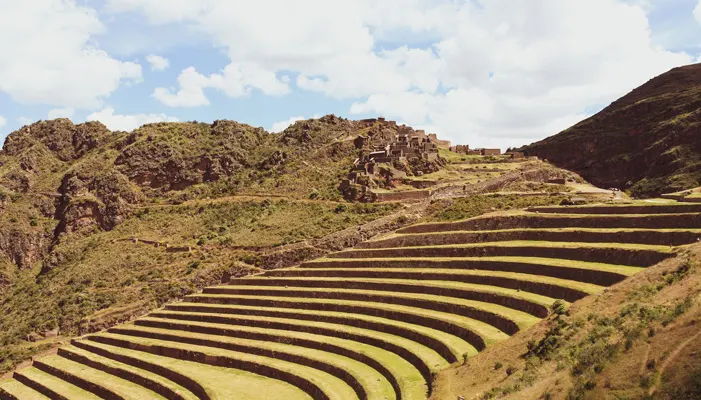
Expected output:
(118, 386)
(576, 229)
(57, 385)
(409, 378)
(472, 206)
(19, 390)
(377, 387)
(107, 282)
(487, 332)
(332, 386)
(555, 262)
(530, 297)
(430, 357)
(535, 243)
(109, 363)
(220, 383)
(582, 286)
(522, 319)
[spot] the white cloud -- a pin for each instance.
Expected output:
(25, 121)
(282, 125)
(190, 94)
(498, 72)
(158, 63)
(117, 122)
(48, 55)
(697, 12)
(61, 113)
(236, 80)
(3, 121)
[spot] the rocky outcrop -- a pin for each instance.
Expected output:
(85, 201)
(188, 154)
(646, 141)
(66, 140)
(23, 248)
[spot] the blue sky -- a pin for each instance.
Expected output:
(485, 73)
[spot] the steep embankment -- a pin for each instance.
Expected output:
(647, 141)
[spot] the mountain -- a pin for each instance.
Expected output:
(98, 226)
(648, 142)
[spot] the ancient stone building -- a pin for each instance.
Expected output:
(460, 148)
(386, 153)
(490, 152)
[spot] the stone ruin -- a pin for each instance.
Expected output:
(465, 149)
(460, 149)
(388, 153)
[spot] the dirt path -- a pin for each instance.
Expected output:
(669, 359)
(643, 364)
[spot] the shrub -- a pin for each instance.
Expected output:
(559, 307)
(497, 365)
(510, 370)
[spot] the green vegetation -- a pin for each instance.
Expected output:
(468, 207)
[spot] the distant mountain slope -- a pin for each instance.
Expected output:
(649, 141)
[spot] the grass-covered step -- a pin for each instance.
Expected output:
(672, 237)
(407, 381)
(154, 382)
(530, 220)
(523, 301)
(555, 288)
(319, 384)
(506, 319)
(102, 384)
(477, 333)
(588, 272)
(424, 347)
(207, 381)
(51, 386)
(12, 389)
(675, 208)
(611, 253)
(366, 381)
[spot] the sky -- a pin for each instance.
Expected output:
(488, 73)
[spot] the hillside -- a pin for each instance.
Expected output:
(99, 226)
(217, 261)
(546, 302)
(646, 142)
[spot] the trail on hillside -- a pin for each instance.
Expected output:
(669, 359)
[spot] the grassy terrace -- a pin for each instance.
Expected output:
(11, 389)
(553, 235)
(636, 254)
(570, 290)
(365, 380)
(206, 381)
(435, 347)
(374, 322)
(400, 373)
(143, 377)
(445, 288)
(475, 332)
(319, 384)
(526, 220)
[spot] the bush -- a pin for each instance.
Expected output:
(497, 365)
(559, 307)
(510, 370)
